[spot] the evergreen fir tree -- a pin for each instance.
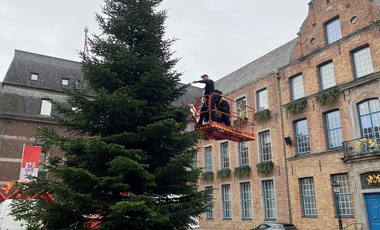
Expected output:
(127, 163)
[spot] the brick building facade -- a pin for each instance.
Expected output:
(336, 54)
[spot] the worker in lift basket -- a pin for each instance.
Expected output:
(209, 88)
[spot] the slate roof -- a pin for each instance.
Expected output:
(257, 69)
(51, 70)
(20, 95)
(189, 97)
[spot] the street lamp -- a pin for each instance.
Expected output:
(336, 191)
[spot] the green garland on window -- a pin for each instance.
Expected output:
(296, 106)
(224, 173)
(242, 170)
(326, 97)
(207, 176)
(236, 121)
(264, 167)
(261, 115)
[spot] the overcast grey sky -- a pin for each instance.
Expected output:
(216, 36)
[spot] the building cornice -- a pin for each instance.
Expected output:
(23, 117)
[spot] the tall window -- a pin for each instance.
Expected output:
(326, 72)
(334, 129)
(195, 158)
(362, 62)
(345, 201)
(227, 208)
(333, 31)
(208, 158)
(243, 153)
(302, 137)
(225, 155)
(242, 101)
(297, 87)
(369, 113)
(191, 126)
(42, 161)
(269, 200)
(45, 107)
(246, 200)
(265, 146)
(308, 197)
(262, 100)
(210, 212)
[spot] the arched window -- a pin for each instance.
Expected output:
(369, 115)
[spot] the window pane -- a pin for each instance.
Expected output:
(225, 155)
(374, 105)
(210, 213)
(45, 107)
(262, 102)
(327, 75)
(65, 82)
(195, 164)
(302, 137)
(334, 129)
(42, 161)
(369, 112)
(246, 200)
(297, 87)
(227, 201)
(333, 31)
(208, 156)
(308, 197)
(269, 200)
(243, 150)
(363, 62)
(241, 101)
(266, 146)
(345, 201)
(34, 76)
(269, 190)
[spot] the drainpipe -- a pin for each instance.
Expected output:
(2, 135)
(283, 143)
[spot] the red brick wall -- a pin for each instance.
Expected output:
(17, 133)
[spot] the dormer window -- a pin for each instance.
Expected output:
(45, 107)
(65, 82)
(333, 31)
(34, 76)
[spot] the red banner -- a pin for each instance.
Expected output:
(30, 162)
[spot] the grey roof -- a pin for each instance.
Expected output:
(51, 70)
(19, 95)
(257, 69)
(189, 97)
(26, 101)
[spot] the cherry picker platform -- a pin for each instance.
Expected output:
(241, 125)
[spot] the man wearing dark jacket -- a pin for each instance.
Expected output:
(209, 88)
(223, 106)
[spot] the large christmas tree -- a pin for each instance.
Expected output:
(127, 164)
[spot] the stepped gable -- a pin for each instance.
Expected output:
(257, 69)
